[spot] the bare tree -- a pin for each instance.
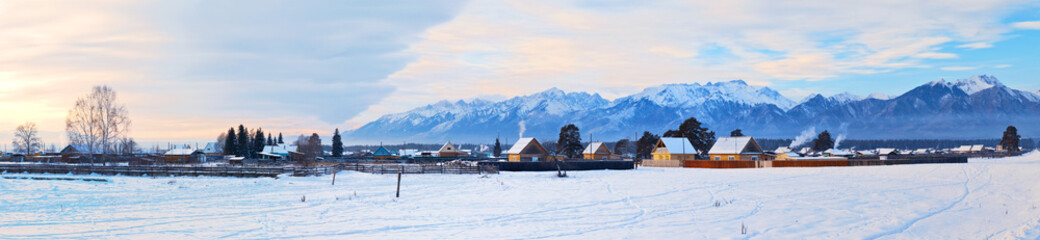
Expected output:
(27, 139)
(127, 147)
(97, 122)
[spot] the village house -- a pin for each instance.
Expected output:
(596, 151)
(885, 153)
(449, 150)
(184, 155)
(788, 155)
(738, 149)
(527, 150)
(383, 154)
(75, 153)
(211, 150)
(277, 152)
(669, 148)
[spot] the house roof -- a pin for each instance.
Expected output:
(886, 151)
(182, 151)
(840, 152)
(79, 148)
(593, 147)
(678, 145)
(448, 147)
(520, 145)
(211, 148)
(735, 145)
(382, 151)
(280, 149)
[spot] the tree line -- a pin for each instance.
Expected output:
(249, 143)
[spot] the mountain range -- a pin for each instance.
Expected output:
(976, 107)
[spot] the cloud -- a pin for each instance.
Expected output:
(617, 48)
(1031, 25)
(958, 68)
(978, 45)
(1002, 66)
(208, 65)
(936, 55)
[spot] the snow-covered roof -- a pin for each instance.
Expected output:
(962, 148)
(182, 151)
(281, 149)
(593, 147)
(734, 145)
(520, 145)
(678, 145)
(840, 152)
(79, 148)
(885, 151)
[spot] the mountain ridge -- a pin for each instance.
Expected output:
(978, 105)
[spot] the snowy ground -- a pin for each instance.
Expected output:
(986, 198)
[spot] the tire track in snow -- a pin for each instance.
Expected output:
(912, 222)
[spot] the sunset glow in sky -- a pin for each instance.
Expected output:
(188, 70)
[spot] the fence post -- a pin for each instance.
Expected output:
(398, 185)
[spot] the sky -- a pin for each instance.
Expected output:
(188, 70)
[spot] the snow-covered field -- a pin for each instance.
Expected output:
(986, 198)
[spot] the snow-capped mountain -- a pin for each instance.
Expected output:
(979, 106)
(692, 95)
(473, 120)
(879, 96)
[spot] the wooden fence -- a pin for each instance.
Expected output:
(569, 165)
(661, 163)
(224, 171)
(819, 163)
(418, 169)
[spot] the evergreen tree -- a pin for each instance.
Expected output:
(230, 144)
(1010, 139)
(622, 147)
(337, 144)
(498, 148)
(280, 139)
(823, 142)
(258, 142)
(699, 137)
(270, 140)
(736, 133)
(243, 148)
(569, 143)
(645, 145)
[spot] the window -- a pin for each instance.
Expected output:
(731, 158)
(754, 158)
(718, 158)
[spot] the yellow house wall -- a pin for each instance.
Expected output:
(669, 156)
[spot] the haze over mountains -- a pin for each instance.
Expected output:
(976, 107)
